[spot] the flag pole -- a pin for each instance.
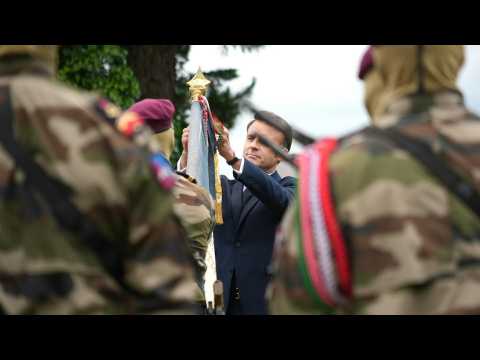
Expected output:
(197, 166)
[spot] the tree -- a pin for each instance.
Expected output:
(101, 68)
(125, 74)
(154, 67)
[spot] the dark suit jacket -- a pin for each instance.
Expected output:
(244, 243)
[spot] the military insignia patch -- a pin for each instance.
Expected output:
(163, 171)
(128, 123)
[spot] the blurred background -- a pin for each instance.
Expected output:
(314, 87)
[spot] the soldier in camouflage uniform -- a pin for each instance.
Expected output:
(193, 204)
(412, 245)
(44, 267)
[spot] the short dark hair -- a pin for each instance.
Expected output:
(278, 123)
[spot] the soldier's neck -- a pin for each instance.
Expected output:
(399, 110)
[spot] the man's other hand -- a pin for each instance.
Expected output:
(224, 148)
(184, 157)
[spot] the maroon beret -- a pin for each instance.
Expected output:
(157, 113)
(366, 64)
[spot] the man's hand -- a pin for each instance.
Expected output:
(185, 134)
(224, 148)
(184, 157)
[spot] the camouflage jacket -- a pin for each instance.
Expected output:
(413, 246)
(194, 208)
(45, 269)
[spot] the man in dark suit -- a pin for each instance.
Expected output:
(253, 205)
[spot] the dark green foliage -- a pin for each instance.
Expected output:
(101, 68)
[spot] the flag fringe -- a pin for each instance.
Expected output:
(218, 193)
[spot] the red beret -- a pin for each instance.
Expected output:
(366, 64)
(157, 113)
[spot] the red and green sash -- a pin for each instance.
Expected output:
(324, 261)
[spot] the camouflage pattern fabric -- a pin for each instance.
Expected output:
(194, 208)
(29, 57)
(47, 270)
(413, 246)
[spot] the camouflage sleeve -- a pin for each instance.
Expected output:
(193, 206)
(394, 218)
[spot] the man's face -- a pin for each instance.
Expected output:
(259, 154)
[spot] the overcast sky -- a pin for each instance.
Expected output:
(314, 87)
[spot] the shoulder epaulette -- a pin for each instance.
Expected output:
(107, 111)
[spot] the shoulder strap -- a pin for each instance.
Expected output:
(423, 153)
(57, 197)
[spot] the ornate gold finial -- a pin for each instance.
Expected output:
(198, 85)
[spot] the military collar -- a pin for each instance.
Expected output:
(21, 65)
(409, 107)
